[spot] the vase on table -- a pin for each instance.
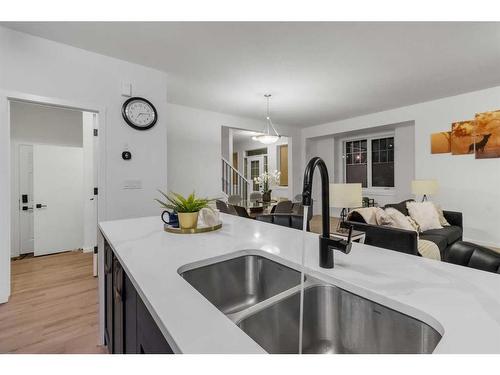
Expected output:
(266, 196)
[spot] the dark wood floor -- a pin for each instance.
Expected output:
(53, 307)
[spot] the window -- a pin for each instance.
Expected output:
(356, 162)
(259, 151)
(370, 162)
(254, 173)
(383, 162)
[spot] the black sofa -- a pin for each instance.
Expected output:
(475, 256)
(405, 241)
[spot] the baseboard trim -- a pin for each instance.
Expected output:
(4, 299)
(88, 249)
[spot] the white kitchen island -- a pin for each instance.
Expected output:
(462, 304)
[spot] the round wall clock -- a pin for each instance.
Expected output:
(139, 113)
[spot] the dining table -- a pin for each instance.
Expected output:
(258, 207)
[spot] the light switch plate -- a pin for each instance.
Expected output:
(132, 184)
(127, 90)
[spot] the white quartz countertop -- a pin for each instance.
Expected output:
(461, 303)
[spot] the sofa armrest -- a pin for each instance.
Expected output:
(404, 241)
(454, 218)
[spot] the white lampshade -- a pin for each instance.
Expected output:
(424, 187)
(345, 195)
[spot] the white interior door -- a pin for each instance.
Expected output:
(255, 168)
(26, 244)
(58, 198)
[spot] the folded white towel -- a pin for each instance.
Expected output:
(209, 217)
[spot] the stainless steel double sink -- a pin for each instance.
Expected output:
(262, 297)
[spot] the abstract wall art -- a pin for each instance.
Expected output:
(487, 135)
(440, 143)
(462, 137)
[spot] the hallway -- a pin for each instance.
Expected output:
(53, 307)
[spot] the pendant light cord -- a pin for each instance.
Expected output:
(268, 118)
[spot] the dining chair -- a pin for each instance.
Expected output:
(241, 211)
(255, 196)
(283, 207)
(234, 199)
(221, 206)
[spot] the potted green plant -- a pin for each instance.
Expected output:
(265, 181)
(187, 208)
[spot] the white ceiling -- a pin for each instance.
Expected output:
(317, 72)
(240, 136)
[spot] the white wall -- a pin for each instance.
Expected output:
(194, 148)
(33, 123)
(40, 67)
(466, 184)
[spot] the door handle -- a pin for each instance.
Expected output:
(26, 208)
(39, 205)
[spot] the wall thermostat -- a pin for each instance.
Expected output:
(126, 155)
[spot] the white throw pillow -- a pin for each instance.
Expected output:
(425, 214)
(399, 219)
(442, 219)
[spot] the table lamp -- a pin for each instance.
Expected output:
(424, 188)
(345, 196)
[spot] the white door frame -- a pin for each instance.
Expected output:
(6, 97)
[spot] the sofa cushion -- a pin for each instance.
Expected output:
(474, 256)
(452, 233)
(485, 259)
(439, 240)
(401, 206)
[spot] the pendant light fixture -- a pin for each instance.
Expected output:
(269, 135)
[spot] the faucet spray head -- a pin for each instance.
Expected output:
(306, 196)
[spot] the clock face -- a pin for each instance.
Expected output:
(139, 113)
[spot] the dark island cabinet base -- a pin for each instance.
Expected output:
(129, 326)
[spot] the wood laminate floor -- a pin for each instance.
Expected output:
(53, 307)
(315, 224)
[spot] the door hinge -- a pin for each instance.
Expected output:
(96, 191)
(95, 249)
(96, 132)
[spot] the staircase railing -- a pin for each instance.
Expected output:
(233, 182)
